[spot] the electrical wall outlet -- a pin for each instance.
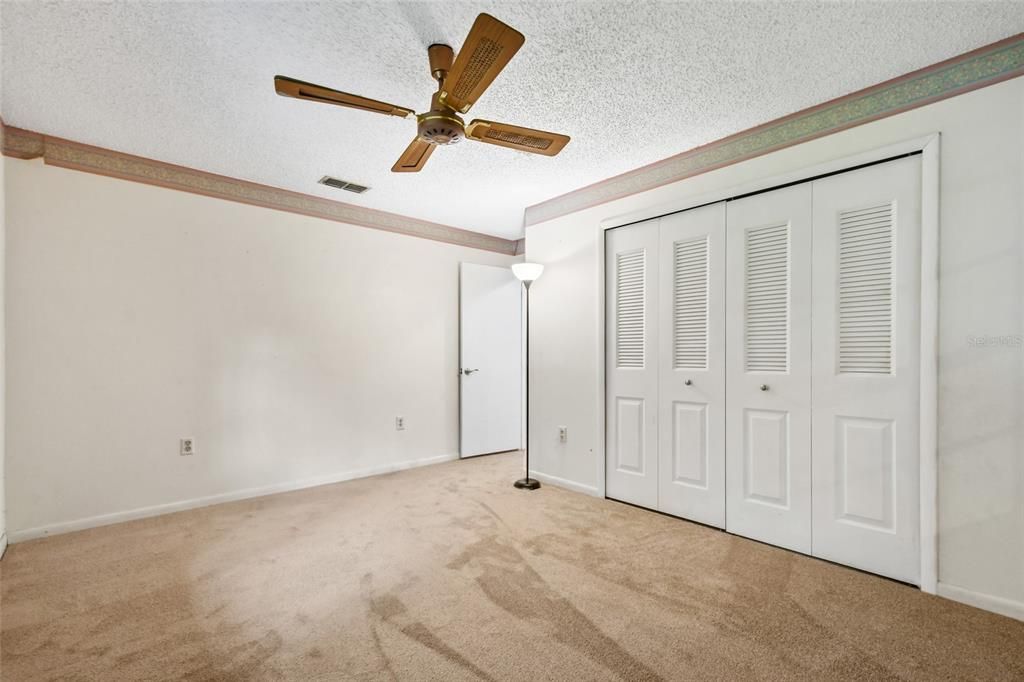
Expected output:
(563, 434)
(187, 447)
(399, 423)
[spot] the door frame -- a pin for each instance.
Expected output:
(929, 147)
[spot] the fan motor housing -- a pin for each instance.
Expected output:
(441, 127)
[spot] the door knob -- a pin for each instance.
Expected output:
(688, 382)
(764, 387)
(469, 371)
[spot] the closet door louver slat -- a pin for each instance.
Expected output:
(630, 299)
(766, 289)
(865, 290)
(690, 304)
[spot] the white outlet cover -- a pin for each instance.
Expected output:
(187, 447)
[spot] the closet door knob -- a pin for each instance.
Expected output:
(688, 382)
(764, 387)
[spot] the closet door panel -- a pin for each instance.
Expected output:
(631, 371)
(866, 316)
(691, 355)
(768, 367)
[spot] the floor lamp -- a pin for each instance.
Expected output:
(527, 273)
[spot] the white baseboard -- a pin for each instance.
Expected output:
(565, 483)
(1006, 607)
(182, 505)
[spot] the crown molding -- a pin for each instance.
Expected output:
(985, 66)
(55, 151)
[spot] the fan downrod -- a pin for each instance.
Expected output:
(441, 125)
(441, 58)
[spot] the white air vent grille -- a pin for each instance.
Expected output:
(690, 304)
(767, 299)
(865, 290)
(630, 299)
(342, 184)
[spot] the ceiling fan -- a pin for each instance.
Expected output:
(461, 80)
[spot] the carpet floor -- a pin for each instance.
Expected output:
(448, 573)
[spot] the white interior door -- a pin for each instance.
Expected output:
(866, 312)
(691, 366)
(491, 357)
(631, 374)
(768, 367)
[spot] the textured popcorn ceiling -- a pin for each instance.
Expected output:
(191, 84)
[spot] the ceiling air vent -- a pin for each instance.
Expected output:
(342, 184)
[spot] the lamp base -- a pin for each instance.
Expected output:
(527, 483)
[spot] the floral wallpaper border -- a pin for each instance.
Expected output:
(26, 144)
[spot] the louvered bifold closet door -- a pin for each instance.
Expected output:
(691, 403)
(631, 372)
(768, 377)
(866, 312)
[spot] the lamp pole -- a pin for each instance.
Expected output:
(527, 273)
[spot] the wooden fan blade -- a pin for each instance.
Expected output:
(289, 87)
(515, 137)
(414, 157)
(487, 49)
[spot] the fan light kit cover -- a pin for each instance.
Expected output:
(461, 80)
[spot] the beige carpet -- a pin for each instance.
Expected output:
(447, 572)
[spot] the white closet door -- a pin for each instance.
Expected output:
(768, 367)
(631, 374)
(866, 312)
(691, 366)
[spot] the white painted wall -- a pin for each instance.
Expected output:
(981, 388)
(3, 337)
(285, 345)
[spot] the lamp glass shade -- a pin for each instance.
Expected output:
(527, 272)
